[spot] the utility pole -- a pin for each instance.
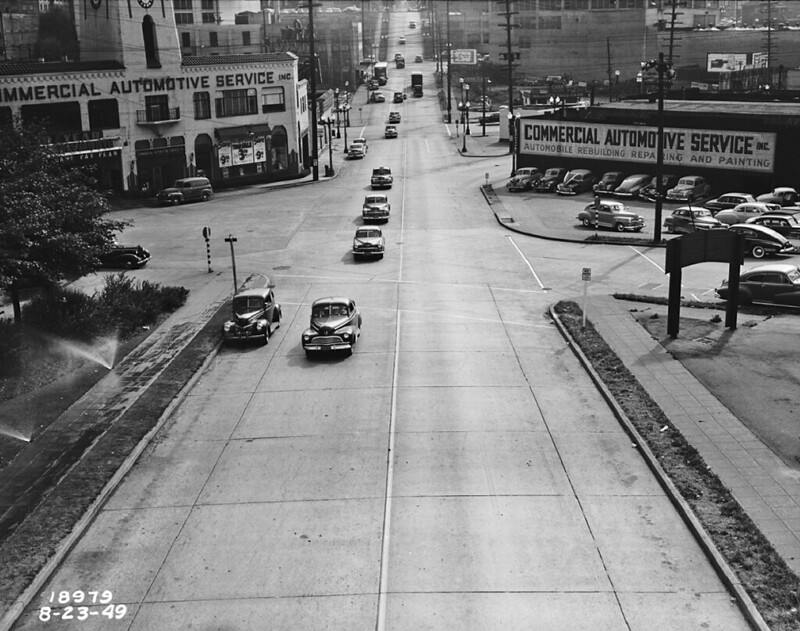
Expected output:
(448, 46)
(313, 64)
(608, 57)
(510, 55)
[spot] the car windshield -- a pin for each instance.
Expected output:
(702, 212)
(330, 309)
(247, 304)
(686, 182)
(375, 200)
(368, 233)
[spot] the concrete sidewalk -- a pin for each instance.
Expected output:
(767, 489)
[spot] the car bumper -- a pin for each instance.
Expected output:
(368, 252)
(374, 216)
(326, 344)
(242, 335)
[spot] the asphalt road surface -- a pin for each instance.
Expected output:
(459, 471)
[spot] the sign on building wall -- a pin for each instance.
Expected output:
(242, 153)
(717, 149)
(466, 56)
(224, 155)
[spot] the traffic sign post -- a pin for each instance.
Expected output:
(207, 237)
(586, 276)
(231, 239)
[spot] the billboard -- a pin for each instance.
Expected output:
(709, 148)
(464, 56)
(725, 62)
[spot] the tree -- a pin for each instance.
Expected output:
(51, 215)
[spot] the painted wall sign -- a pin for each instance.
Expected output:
(718, 149)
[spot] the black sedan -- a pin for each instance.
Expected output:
(778, 283)
(760, 240)
(125, 257)
(335, 325)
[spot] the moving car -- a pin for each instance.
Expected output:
(551, 178)
(335, 325)
(787, 225)
(610, 214)
(394, 117)
(648, 193)
(402, 39)
(631, 185)
(412, 24)
(390, 131)
(381, 178)
(775, 283)
(356, 151)
(686, 220)
(255, 314)
(125, 257)
(376, 207)
(418, 59)
(609, 181)
(187, 189)
(689, 188)
(368, 242)
(728, 201)
(524, 179)
(362, 142)
(575, 182)
(372, 84)
(783, 195)
(742, 212)
(377, 97)
(398, 97)
(760, 240)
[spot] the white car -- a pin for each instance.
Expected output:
(744, 212)
(368, 242)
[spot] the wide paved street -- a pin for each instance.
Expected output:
(459, 471)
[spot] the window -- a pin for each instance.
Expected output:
(209, 18)
(184, 18)
(150, 42)
(202, 105)
(157, 107)
(186, 40)
(103, 114)
(213, 40)
(207, 5)
(182, 5)
(245, 38)
(236, 102)
(272, 100)
(549, 5)
(552, 22)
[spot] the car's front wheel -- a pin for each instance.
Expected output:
(758, 252)
(265, 339)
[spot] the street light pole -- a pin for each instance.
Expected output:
(328, 122)
(484, 59)
(466, 110)
(461, 101)
(336, 97)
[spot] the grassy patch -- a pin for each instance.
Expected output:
(769, 581)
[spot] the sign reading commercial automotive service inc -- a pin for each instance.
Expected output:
(717, 149)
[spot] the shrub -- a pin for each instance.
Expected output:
(67, 313)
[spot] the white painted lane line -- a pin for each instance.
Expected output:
(530, 267)
(647, 258)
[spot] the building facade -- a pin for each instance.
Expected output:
(145, 116)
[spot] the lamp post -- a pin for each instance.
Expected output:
(513, 128)
(557, 104)
(347, 103)
(328, 122)
(461, 101)
(466, 109)
(484, 61)
(662, 67)
(466, 131)
(336, 98)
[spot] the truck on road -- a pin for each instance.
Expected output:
(416, 83)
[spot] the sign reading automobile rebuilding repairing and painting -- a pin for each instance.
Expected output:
(718, 149)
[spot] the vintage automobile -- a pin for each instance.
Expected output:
(524, 179)
(609, 181)
(610, 214)
(372, 84)
(787, 225)
(255, 315)
(390, 131)
(368, 242)
(418, 59)
(376, 208)
(575, 182)
(356, 151)
(377, 97)
(402, 39)
(398, 97)
(741, 213)
(775, 283)
(551, 178)
(381, 178)
(728, 201)
(125, 257)
(394, 117)
(362, 142)
(688, 189)
(760, 240)
(187, 189)
(383, 80)
(335, 325)
(685, 220)
(632, 184)
(649, 192)
(783, 195)
(491, 117)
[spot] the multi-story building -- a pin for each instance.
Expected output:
(145, 115)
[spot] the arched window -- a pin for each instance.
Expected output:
(150, 42)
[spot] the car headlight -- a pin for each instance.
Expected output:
(346, 336)
(227, 326)
(261, 324)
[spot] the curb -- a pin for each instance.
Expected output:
(723, 570)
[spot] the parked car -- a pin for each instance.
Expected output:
(372, 84)
(125, 257)
(368, 242)
(728, 201)
(551, 178)
(390, 131)
(688, 189)
(609, 181)
(787, 225)
(742, 212)
(335, 325)
(187, 189)
(524, 179)
(575, 182)
(760, 240)
(783, 195)
(398, 97)
(412, 25)
(491, 117)
(376, 207)
(631, 185)
(648, 193)
(381, 178)
(775, 283)
(383, 80)
(611, 214)
(255, 315)
(686, 220)
(394, 117)
(377, 97)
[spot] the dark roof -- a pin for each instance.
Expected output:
(213, 60)
(48, 67)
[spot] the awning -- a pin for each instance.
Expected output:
(245, 132)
